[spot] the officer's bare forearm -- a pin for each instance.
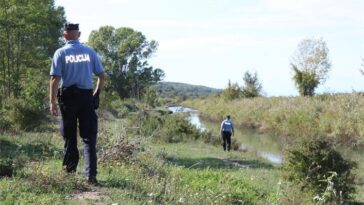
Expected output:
(100, 83)
(53, 86)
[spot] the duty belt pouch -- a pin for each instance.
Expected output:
(66, 93)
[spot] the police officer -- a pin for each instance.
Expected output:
(74, 65)
(227, 130)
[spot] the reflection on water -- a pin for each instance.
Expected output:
(180, 109)
(277, 159)
(195, 120)
(265, 146)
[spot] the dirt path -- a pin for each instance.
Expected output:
(95, 195)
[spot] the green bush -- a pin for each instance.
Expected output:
(316, 167)
(232, 92)
(19, 115)
(120, 108)
(170, 128)
(177, 128)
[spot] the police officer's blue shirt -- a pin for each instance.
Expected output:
(227, 126)
(75, 64)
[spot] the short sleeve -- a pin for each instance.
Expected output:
(56, 67)
(97, 68)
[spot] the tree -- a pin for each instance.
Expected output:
(310, 64)
(29, 34)
(232, 91)
(252, 86)
(124, 53)
(151, 97)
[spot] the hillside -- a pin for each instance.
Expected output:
(183, 90)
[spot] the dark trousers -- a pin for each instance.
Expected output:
(226, 138)
(77, 105)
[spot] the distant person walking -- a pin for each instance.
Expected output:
(227, 130)
(75, 65)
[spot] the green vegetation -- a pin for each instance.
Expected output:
(124, 54)
(317, 168)
(337, 117)
(149, 156)
(232, 92)
(184, 91)
(157, 158)
(252, 87)
(135, 167)
(29, 34)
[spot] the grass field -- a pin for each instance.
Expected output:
(158, 173)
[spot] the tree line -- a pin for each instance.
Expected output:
(31, 31)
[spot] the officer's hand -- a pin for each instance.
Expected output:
(53, 109)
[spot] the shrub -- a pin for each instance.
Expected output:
(115, 145)
(19, 115)
(315, 166)
(232, 92)
(177, 128)
(121, 151)
(58, 182)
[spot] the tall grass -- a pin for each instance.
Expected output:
(338, 117)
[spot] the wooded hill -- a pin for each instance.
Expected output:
(183, 90)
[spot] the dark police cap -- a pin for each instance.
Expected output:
(71, 27)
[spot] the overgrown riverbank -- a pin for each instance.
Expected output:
(337, 117)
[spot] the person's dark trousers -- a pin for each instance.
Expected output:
(77, 105)
(226, 138)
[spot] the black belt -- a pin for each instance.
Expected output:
(71, 90)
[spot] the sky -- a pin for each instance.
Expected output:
(209, 42)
